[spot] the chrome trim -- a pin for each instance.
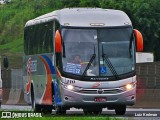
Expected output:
(101, 91)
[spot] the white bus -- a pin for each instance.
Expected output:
(82, 58)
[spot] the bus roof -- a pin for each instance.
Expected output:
(85, 17)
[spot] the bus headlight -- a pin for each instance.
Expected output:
(70, 87)
(129, 86)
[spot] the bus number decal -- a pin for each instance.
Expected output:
(73, 68)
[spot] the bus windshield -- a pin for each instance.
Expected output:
(98, 52)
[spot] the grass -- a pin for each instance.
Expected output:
(67, 118)
(25, 115)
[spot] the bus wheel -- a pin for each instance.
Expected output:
(33, 100)
(120, 110)
(47, 109)
(86, 111)
(36, 108)
(97, 112)
(59, 110)
(91, 111)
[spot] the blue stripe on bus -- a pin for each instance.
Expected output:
(49, 63)
(58, 100)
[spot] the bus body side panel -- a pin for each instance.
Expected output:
(39, 71)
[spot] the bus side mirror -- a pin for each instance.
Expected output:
(58, 42)
(5, 62)
(139, 40)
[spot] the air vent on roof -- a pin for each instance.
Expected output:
(66, 24)
(97, 24)
(126, 23)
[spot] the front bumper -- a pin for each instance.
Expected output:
(80, 100)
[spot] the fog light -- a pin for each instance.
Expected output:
(66, 98)
(70, 87)
(132, 97)
(129, 86)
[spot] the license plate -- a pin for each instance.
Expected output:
(100, 99)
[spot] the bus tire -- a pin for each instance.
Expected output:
(97, 112)
(59, 110)
(91, 111)
(47, 109)
(32, 98)
(35, 107)
(120, 110)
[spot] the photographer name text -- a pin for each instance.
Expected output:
(146, 114)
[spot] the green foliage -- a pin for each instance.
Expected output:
(89, 3)
(13, 17)
(144, 15)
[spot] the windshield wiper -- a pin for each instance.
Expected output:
(108, 62)
(89, 64)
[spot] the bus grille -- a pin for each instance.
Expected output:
(102, 91)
